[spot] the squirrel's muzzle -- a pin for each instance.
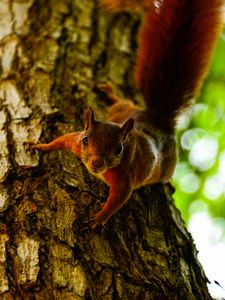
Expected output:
(97, 163)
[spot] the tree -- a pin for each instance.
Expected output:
(53, 55)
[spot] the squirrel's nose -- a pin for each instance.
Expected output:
(97, 163)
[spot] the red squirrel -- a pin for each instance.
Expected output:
(137, 146)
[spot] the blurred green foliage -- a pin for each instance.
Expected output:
(200, 174)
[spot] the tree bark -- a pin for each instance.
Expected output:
(53, 54)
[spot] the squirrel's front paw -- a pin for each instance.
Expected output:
(29, 145)
(97, 221)
(34, 146)
(90, 224)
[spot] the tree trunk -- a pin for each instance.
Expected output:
(53, 54)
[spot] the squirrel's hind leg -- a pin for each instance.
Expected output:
(109, 92)
(121, 109)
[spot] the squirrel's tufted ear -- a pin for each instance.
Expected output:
(89, 118)
(127, 127)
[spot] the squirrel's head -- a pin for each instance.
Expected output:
(103, 143)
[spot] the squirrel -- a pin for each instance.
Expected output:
(136, 146)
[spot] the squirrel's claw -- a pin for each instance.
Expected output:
(29, 145)
(92, 224)
(37, 146)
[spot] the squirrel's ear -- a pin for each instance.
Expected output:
(127, 127)
(89, 118)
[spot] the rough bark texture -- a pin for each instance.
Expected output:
(52, 55)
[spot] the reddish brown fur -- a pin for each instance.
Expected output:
(176, 45)
(68, 141)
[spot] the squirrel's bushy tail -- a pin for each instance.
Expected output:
(177, 40)
(176, 44)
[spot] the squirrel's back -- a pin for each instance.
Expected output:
(177, 40)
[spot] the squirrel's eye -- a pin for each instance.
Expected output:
(119, 149)
(85, 140)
